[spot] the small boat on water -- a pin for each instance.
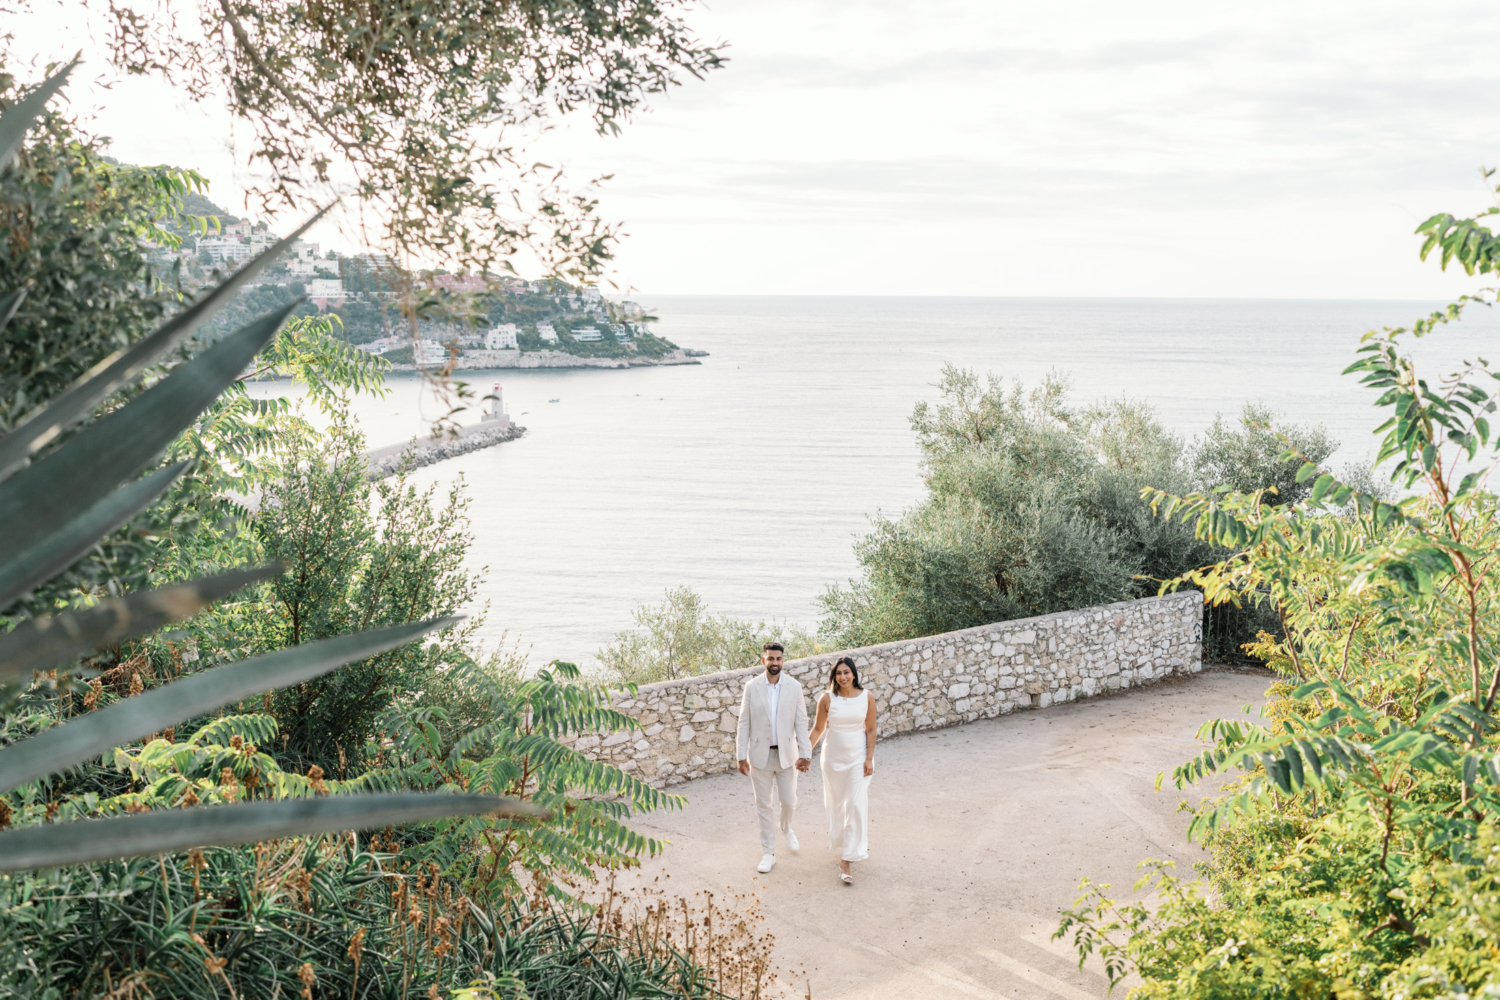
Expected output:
(552, 400)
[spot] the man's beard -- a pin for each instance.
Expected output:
(773, 671)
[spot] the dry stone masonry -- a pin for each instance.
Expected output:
(687, 726)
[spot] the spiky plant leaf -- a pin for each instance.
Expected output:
(124, 367)
(52, 639)
(17, 119)
(51, 554)
(165, 831)
(64, 484)
(91, 735)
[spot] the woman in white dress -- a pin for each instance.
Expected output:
(846, 713)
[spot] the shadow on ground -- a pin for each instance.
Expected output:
(979, 835)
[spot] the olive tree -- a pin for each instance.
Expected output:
(422, 109)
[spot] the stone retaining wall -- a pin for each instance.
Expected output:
(687, 726)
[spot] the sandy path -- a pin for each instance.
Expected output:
(979, 835)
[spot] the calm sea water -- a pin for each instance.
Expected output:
(747, 477)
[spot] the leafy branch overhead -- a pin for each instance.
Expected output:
(423, 108)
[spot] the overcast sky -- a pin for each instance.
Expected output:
(984, 148)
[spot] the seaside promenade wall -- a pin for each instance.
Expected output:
(687, 726)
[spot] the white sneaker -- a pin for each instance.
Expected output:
(766, 863)
(791, 842)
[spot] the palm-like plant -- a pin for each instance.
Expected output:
(57, 504)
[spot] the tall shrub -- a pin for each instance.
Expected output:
(1355, 852)
(357, 554)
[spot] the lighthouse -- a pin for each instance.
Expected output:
(496, 410)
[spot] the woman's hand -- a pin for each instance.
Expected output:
(869, 768)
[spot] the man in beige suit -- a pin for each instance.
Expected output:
(771, 745)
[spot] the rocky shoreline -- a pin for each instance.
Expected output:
(490, 360)
(388, 460)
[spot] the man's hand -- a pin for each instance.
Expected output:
(745, 768)
(803, 764)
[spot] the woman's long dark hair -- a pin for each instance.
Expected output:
(833, 684)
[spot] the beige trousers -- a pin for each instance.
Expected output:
(784, 780)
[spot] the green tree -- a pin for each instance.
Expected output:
(1034, 506)
(358, 554)
(76, 226)
(680, 638)
(1248, 457)
(1030, 508)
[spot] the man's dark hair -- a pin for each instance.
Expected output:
(770, 646)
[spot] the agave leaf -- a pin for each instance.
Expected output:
(50, 639)
(88, 736)
(20, 116)
(9, 305)
(60, 549)
(170, 830)
(123, 367)
(55, 490)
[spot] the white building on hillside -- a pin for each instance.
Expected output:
(584, 334)
(221, 248)
(430, 353)
(547, 332)
(501, 338)
(325, 288)
(384, 344)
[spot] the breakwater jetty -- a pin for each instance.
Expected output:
(489, 360)
(494, 428)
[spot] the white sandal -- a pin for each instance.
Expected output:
(846, 878)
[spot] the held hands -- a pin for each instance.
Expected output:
(745, 767)
(803, 764)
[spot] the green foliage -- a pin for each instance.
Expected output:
(329, 918)
(1034, 507)
(1241, 457)
(290, 912)
(679, 638)
(488, 729)
(51, 504)
(74, 223)
(358, 554)
(1356, 853)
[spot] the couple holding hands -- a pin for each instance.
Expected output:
(772, 744)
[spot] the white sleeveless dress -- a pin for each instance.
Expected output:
(846, 790)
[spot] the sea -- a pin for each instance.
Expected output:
(749, 477)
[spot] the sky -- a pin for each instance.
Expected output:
(974, 147)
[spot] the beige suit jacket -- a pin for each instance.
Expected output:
(752, 737)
